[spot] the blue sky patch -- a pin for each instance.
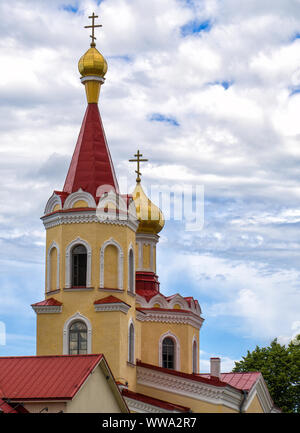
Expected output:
(296, 36)
(294, 90)
(70, 8)
(158, 117)
(125, 58)
(225, 84)
(194, 27)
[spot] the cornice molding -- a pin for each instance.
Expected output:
(226, 395)
(78, 217)
(47, 309)
(172, 316)
(118, 306)
(142, 407)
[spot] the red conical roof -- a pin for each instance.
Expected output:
(91, 164)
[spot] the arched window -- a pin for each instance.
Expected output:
(195, 357)
(168, 353)
(79, 266)
(78, 338)
(131, 271)
(131, 344)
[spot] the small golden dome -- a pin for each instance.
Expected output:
(150, 216)
(92, 63)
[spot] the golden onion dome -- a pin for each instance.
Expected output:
(151, 219)
(92, 63)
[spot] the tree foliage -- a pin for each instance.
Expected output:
(280, 367)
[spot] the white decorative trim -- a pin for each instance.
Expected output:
(260, 390)
(111, 241)
(76, 317)
(131, 322)
(227, 395)
(48, 288)
(47, 309)
(177, 299)
(79, 195)
(92, 78)
(170, 316)
(138, 406)
(114, 306)
(68, 258)
(129, 270)
(157, 299)
(86, 216)
(52, 202)
(176, 348)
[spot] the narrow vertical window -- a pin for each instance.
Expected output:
(78, 339)
(168, 353)
(79, 266)
(195, 357)
(131, 344)
(131, 271)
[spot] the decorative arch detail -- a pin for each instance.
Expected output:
(52, 202)
(79, 195)
(49, 270)
(76, 317)
(78, 241)
(176, 351)
(111, 241)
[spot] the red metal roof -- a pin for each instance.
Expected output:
(196, 377)
(242, 381)
(47, 302)
(154, 401)
(110, 300)
(45, 377)
(91, 165)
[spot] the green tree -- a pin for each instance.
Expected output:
(280, 367)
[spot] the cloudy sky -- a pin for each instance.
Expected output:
(209, 91)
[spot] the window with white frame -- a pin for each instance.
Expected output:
(131, 343)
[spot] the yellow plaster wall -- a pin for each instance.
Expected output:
(95, 234)
(255, 406)
(80, 203)
(146, 256)
(95, 396)
(109, 329)
(111, 267)
(151, 333)
(53, 267)
(56, 207)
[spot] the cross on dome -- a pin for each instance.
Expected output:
(93, 28)
(138, 159)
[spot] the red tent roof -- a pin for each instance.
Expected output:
(91, 164)
(45, 377)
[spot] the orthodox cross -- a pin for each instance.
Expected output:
(93, 28)
(138, 159)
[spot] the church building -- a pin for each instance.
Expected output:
(102, 291)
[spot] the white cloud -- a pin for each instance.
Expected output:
(235, 130)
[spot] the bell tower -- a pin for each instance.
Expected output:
(89, 304)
